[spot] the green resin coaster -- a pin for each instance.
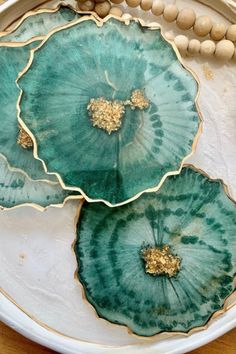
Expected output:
(117, 106)
(38, 24)
(165, 262)
(15, 144)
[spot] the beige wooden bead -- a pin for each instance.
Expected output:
(99, 1)
(194, 46)
(146, 5)
(208, 48)
(224, 50)
(88, 5)
(218, 31)
(116, 11)
(181, 42)
(158, 8)
(133, 3)
(102, 8)
(202, 26)
(186, 19)
(170, 12)
(231, 33)
(169, 36)
(117, 1)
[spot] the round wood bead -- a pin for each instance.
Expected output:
(169, 36)
(133, 3)
(99, 1)
(231, 33)
(207, 48)
(194, 46)
(116, 11)
(202, 26)
(170, 13)
(181, 42)
(224, 50)
(102, 8)
(158, 7)
(186, 19)
(146, 5)
(117, 1)
(218, 31)
(88, 5)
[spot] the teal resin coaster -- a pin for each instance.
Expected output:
(117, 106)
(165, 262)
(18, 166)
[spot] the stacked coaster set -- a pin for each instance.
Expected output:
(104, 111)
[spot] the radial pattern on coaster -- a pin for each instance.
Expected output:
(117, 106)
(39, 24)
(16, 188)
(165, 262)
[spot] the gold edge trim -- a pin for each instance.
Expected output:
(214, 315)
(100, 23)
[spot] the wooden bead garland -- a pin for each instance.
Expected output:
(185, 20)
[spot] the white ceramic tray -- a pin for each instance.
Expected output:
(39, 296)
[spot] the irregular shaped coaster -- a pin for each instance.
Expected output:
(15, 144)
(165, 262)
(17, 189)
(111, 108)
(39, 23)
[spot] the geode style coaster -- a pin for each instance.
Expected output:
(110, 107)
(165, 262)
(20, 167)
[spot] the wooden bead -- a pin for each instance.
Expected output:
(158, 8)
(194, 46)
(133, 3)
(99, 1)
(181, 42)
(170, 13)
(231, 33)
(218, 31)
(116, 11)
(224, 50)
(169, 36)
(186, 19)
(116, 1)
(207, 48)
(146, 5)
(102, 8)
(88, 5)
(202, 26)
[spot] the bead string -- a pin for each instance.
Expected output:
(222, 39)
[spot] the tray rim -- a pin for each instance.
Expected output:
(37, 332)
